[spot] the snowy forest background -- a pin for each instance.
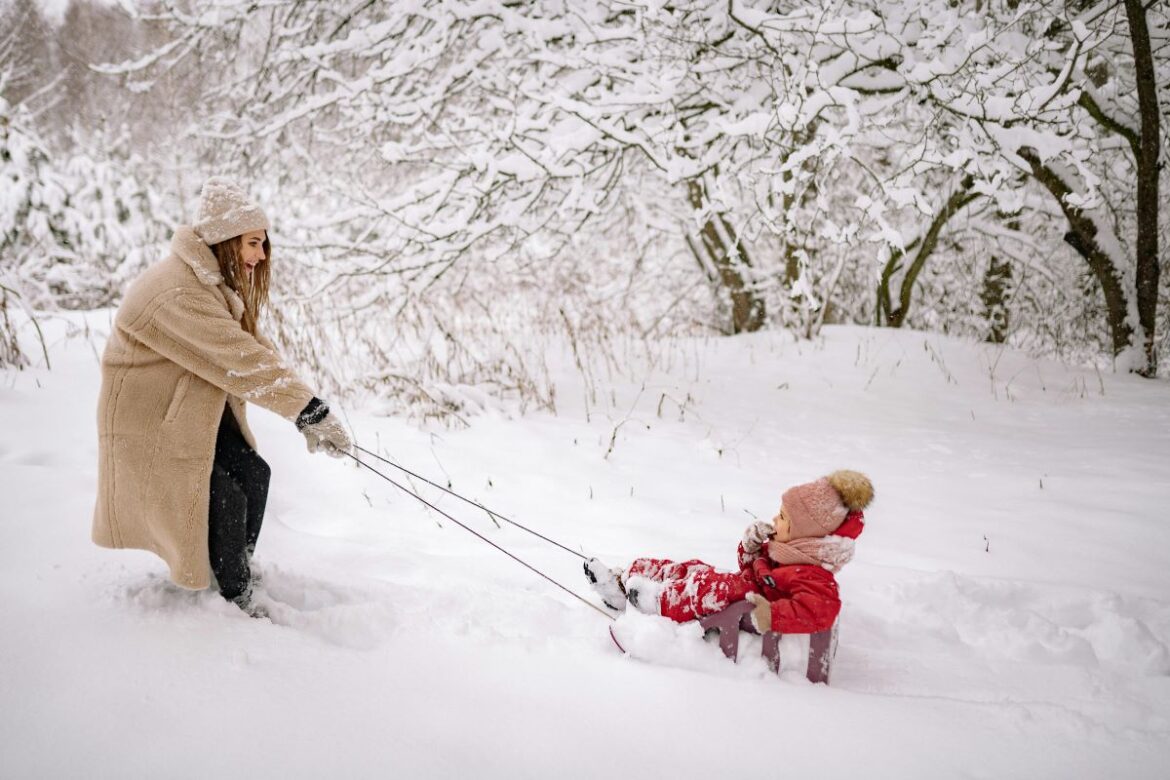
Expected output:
(456, 186)
(944, 219)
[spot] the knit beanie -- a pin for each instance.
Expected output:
(818, 508)
(225, 212)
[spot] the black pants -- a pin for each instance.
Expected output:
(239, 491)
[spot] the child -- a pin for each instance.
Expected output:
(786, 567)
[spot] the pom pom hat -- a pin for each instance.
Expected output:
(818, 508)
(226, 212)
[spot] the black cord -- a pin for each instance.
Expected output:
(450, 492)
(480, 536)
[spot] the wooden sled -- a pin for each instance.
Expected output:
(822, 646)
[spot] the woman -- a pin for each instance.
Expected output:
(178, 472)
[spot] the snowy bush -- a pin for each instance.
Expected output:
(74, 228)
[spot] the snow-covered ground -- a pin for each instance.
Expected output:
(1007, 614)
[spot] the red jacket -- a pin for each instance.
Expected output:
(804, 597)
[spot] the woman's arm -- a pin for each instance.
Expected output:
(193, 329)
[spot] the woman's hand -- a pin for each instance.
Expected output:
(328, 435)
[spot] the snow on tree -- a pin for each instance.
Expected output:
(1042, 96)
(451, 174)
(74, 228)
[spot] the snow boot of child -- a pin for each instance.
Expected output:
(644, 594)
(607, 582)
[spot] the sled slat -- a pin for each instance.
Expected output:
(771, 650)
(822, 646)
(728, 622)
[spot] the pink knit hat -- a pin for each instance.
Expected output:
(818, 508)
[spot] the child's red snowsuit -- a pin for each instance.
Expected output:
(804, 597)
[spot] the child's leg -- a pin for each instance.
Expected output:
(646, 573)
(702, 592)
(663, 570)
(648, 578)
(682, 591)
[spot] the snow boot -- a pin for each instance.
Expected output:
(607, 582)
(644, 594)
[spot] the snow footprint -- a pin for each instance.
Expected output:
(158, 594)
(340, 615)
(302, 593)
(347, 617)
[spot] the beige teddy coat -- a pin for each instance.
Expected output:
(176, 353)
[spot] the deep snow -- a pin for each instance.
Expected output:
(1006, 615)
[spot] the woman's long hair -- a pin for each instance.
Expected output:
(252, 290)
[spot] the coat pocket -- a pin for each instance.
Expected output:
(177, 399)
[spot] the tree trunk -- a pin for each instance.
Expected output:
(1148, 168)
(895, 318)
(791, 257)
(10, 354)
(716, 238)
(996, 282)
(1082, 236)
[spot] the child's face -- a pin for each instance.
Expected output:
(783, 527)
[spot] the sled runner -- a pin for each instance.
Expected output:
(822, 646)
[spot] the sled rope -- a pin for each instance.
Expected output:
(475, 533)
(476, 504)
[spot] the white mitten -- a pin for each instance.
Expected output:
(328, 435)
(756, 535)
